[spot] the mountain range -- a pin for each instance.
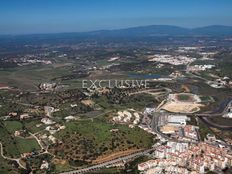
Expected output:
(165, 30)
(133, 32)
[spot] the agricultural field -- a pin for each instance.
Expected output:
(13, 126)
(96, 138)
(14, 146)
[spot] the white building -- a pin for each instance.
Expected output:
(179, 120)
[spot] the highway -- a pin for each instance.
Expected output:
(221, 110)
(105, 164)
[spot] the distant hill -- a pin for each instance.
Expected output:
(214, 30)
(152, 30)
(166, 30)
(120, 34)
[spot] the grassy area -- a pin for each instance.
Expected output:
(14, 146)
(62, 167)
(111, 170)
(87, 140)
(221, 121)
(204, 130)
(8, 141)
(192, 121)
(183, 97)
(6, 168)
(31, 126)
(27, 145)
(206, 99)
(28, 77)
(101, 131)
(138, 101)
(12, 126)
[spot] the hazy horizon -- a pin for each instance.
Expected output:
(102, 29)
(58, 16)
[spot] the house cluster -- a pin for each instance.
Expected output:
(48, 110)
(46, 139)
(47, 86)
(228, 113)
(70, 118)
(128, 116)
(196, 68)
(188, 49)
(220, 83)
(55, 128)
(34, 61)
(20, 133)
(30, 59)
(17, 116)
(3, 87)
(51, 127)
(44, 165)
(195, 157)
(171, 59)
(47, 121)
(176, 74)
(160, 166)
(113, 58)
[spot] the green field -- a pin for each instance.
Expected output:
(27, 145)
(31, 126)
(62, 167)
(100, 131)
(87, 140)
(29, 77)
(183, 97)
(138, 101)
(14, 146)
(204, 130)
(6, 168)
(206, 99)
(13, 126)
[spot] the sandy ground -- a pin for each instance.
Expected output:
(87, 102)
(105, 158)
(168, 129)
(185, 88)
(59, 161)
(182, 107)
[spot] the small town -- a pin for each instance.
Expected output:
(116, 87)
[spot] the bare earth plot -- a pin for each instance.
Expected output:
(183, 103)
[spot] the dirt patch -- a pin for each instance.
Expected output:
(185, 88)
(59, 161)
(182, 107)
(87, 102)
(112, 156)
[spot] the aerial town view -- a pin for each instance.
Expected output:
(115, 87)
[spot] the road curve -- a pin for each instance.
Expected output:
(11, 159)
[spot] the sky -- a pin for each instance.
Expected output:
(54, 16)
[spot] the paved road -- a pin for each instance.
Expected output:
(214, 124)
(11, 159)
(105, 164)
(215, 114)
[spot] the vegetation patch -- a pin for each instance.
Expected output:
(84, 141)
(13, 126)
